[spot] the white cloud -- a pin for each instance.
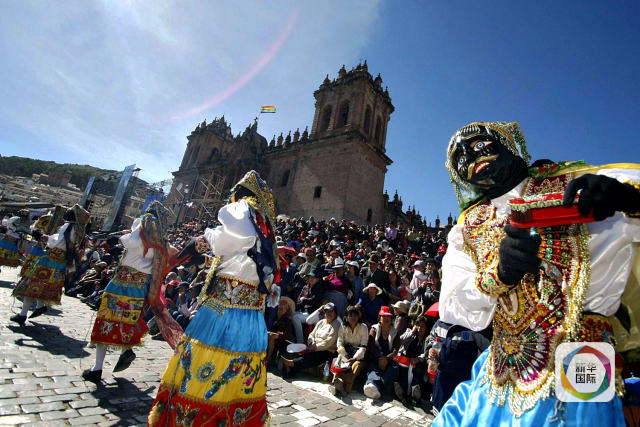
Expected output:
(104, 79)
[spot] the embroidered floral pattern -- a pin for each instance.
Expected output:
(234, 368)
(205, 372)
(537, 315)
(185, 362)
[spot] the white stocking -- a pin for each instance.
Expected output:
(39, 304)
(26, 305)
(101, 351)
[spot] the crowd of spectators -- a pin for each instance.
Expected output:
(356, 297)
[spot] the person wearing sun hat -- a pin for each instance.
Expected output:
(308, 301)
(322, 342)
(371, 302)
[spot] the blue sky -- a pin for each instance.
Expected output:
(111, 83)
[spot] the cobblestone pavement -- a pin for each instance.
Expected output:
(41, 382)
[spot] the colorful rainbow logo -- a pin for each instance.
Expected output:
(566, 384)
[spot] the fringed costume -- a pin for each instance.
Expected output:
(218, 374)
(45, 280)
(136, 284)
(580, 283)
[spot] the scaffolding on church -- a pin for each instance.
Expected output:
(209, 197)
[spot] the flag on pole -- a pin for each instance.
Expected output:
(267, 109)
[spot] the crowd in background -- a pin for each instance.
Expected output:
(357, 297)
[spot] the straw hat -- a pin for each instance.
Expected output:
(403, 306)
(372, 285)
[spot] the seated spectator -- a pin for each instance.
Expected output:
(281, 332)
(394, 286)
(428, 292)
(371, 302)
(413, 347)
(308, 301)
(352, 346)
(401, 312)
(419, 276)
(87, 282)
(382, 347)
(356, 281)
(321, 344)
(337, 281)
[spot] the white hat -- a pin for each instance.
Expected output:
(372, 285)
(338, 263)
(418, 263)
(302, 255)
(353, 264)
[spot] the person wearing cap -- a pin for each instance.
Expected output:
(352, 346)
(382, 347)
(308, 301)
(371, 301)
(321, 344)
(428, 292)
(281, 331)
(413, 345)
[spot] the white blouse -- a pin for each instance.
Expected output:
(232, 240)
(56, 240)
(613, 244)
(133, 257)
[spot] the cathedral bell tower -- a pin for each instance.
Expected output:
(354, 101)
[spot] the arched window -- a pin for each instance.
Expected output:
(377, 135)
(325, 119)
(369, 214)
(343, 116)
(317, 192)
(367, 120)
(285, 179)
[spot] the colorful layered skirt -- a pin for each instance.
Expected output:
(45, 279)
(9, 254)
(119, 321)
(32, 257)
(218, 374)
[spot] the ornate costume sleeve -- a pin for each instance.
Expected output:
(461, 302)
(236, 234)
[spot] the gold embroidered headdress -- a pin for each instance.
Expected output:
(263, 195)
(506, 133)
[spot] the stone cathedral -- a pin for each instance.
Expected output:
(336, 170)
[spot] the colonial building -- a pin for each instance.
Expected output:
(336, 170)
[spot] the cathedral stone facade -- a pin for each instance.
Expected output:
(337, 170)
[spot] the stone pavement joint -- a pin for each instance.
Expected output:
(41, 383)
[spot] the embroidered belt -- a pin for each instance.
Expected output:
(231, 292)
(130, 276)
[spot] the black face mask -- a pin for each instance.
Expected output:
(488, 165)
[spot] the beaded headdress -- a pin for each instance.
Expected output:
(506, 133)
(263, 195)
